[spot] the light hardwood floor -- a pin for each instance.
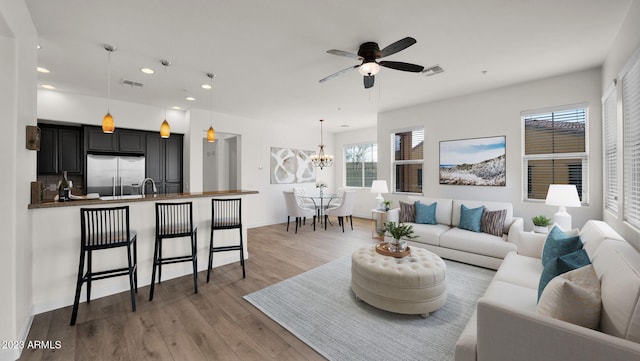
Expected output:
(216, 323)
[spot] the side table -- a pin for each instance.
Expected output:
(379, 217)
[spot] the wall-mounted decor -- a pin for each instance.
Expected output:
(477, 161)
(291, 166)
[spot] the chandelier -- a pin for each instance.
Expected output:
(321, 160)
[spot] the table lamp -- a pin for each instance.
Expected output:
(562, 195)
(379, 186)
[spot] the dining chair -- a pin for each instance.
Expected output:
(345, 209)
(294, 209)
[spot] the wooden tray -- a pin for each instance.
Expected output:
(383, 249)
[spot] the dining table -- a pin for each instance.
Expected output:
(322, 201)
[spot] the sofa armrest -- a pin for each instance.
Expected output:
(529, 243)
(393, 215)
(506, 333)
(516, 227)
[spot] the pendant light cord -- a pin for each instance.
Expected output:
(108, 79)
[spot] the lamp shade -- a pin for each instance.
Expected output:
(211, 135)
(379, 186)
(165, 129)
(107, 123)
(563, 195)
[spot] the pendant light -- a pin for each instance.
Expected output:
(321, 160)
(165, 129)
(211, 134)
(107, 122)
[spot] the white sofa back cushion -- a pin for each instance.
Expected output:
(443, 209)
(490, 206)
(617, 264)
(594, 232)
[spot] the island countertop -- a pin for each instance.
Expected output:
(145, 198)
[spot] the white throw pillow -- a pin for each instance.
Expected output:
(573, 297)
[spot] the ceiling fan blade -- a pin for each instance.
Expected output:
(338, 73)
(345, 53)
(398, 65)
(368, 81)
(397, 46)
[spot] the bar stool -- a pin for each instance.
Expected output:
(174, 220)
(226, 214)
(105, 228)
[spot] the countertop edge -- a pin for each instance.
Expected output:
(147, 198)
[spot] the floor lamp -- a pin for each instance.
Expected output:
(562, 195)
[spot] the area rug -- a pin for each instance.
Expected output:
(320, 309)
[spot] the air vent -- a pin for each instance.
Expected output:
(131, 83)
(432, 70)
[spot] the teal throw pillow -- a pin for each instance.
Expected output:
(560, 265)
(471, 218)
(558, 244)
(426, 214)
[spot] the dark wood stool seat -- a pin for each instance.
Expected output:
(226, 214)
(174, 220)
(105, 228)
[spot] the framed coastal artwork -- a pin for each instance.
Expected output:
(289, 165)
(475, 161)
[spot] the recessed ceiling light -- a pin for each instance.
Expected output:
(205, 86)
(176, 107)
(147, 70)
(42, 70)
(190, 99)
(38, 46)
(47, 86)
(344, 126)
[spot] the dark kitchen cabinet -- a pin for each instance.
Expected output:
(60, 150)
(163, 160)
(120, 141)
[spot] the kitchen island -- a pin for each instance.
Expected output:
(56, 245)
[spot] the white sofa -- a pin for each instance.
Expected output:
(506, 325)
(448, 241)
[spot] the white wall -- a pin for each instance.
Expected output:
(626, 42)
(492, 113)
(18, 40)
(364, 197)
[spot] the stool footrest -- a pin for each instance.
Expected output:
(108, 274)
(226, 248)
(177, 259)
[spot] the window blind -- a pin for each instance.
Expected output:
(408, 160)
(631, 143)
(610, 130)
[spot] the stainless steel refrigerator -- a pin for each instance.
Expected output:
(114, 175)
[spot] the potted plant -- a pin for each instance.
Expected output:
(387, 205)
(541, 223)
(399, 231)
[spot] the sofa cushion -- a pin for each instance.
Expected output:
(617, 264)
(573, 297)
(426, 214)
(470, 218)
(594, 232)
(511, 295)
(520, 270)
(558, 244)
(560, 265)
(493, 222)
(429, 233)
(489, 206)
(407, 212)
(478, 243)
(443, 211)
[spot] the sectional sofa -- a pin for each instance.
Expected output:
(449, 241)
(507, 325)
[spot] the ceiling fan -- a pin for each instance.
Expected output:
(368, 53)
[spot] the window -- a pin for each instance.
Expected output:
(361, 164)
(555, 150)
(631, 141)
(610, 128)
(407, 160)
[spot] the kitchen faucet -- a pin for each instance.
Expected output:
(153, 186)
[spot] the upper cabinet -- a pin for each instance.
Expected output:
(121, 141)
(60, 149)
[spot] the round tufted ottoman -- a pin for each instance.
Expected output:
(415, 284)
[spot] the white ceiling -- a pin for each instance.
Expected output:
(269, 55)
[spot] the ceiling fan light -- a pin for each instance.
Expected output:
(165, 129)
(370, 68)
(211, 135)
(107, 124)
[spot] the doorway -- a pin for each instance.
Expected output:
(221, 163)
